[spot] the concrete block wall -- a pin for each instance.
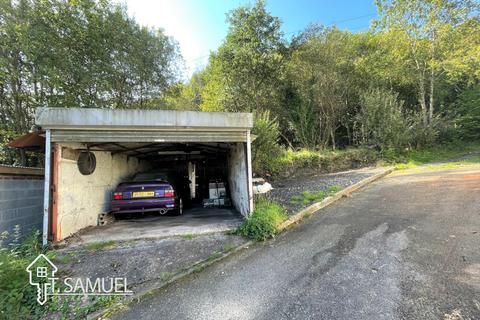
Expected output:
(237, 178)
(81, 198)
(21, 203)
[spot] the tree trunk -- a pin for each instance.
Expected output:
(332, 136)
(430, 106)
(349, 135)
(421, 83)
(432, 77)
(421, 100)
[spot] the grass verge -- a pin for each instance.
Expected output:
(307, 197)
(304, 162)
(264, 221)
(95, 246)
(473, 162)
(414, 158)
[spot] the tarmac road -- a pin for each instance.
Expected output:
(405, 247)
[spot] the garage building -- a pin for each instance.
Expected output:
(203, 146)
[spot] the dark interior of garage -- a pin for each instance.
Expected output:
(203, 167)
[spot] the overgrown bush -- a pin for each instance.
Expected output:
(265, 148)
(380, 121)
(383, 123)
(420, 135)
(264, 221)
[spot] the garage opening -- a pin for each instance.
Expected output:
(202, 168)
(206, 157)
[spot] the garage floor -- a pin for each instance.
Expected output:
(194, 221)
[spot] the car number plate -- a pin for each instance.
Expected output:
(143, 194)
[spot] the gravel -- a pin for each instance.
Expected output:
(284, 191)
(144, 261)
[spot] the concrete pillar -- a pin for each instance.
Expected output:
(249, 171)
(46, 189)
(238, 178)
(192, 176)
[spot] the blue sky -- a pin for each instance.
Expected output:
(199, 26)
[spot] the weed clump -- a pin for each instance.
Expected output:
(264, 221)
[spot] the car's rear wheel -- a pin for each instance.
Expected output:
(180, 206)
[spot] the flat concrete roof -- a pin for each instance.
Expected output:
(121, 119)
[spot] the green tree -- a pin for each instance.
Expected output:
(246, 70)
(81, 53)
(321, 72)
(426, 26)
(188, 96)
(214, 91)
(462, 63)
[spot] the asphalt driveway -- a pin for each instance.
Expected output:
(405, 247)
